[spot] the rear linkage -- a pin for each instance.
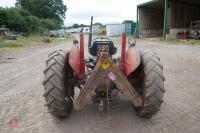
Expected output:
(65, 70)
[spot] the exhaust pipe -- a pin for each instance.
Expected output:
(90, 35)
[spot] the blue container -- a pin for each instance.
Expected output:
(129, 27)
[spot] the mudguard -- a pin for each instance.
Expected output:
(74, 58)
(132, 60)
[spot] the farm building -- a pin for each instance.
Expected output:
(115, 29)
(166, 17)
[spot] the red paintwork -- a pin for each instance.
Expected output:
(74, 58)
(132, 60)
(123, 54)
(82, 64)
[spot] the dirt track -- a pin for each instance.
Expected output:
(21, 96)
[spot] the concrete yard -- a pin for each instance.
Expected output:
(21, 76)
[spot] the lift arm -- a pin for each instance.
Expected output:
(103, 69)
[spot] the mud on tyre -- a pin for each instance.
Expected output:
(58, 90)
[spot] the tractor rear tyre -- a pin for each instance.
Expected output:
(58, 91)
(152, 84)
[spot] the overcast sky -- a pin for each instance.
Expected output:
(104, 11)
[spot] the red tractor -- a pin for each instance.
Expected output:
(137, 73)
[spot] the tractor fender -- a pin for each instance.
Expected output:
(132, 60)
(74, 58)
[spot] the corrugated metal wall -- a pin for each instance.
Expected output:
(182, 14)
(150, 21)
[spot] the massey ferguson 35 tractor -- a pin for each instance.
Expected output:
(137, 73)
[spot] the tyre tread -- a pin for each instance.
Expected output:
(54, 89)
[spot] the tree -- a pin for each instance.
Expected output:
(31, 16)
(97, 23)
(16, 19)
(20, 20)
(83, 25)
(47, 9)
(49, 24)
(3, 16)
(75, 26)
(33, 24)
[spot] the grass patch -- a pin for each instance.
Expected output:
(47, 40)
(24, 41)
(11, 44)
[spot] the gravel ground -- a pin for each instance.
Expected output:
(21, 95)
